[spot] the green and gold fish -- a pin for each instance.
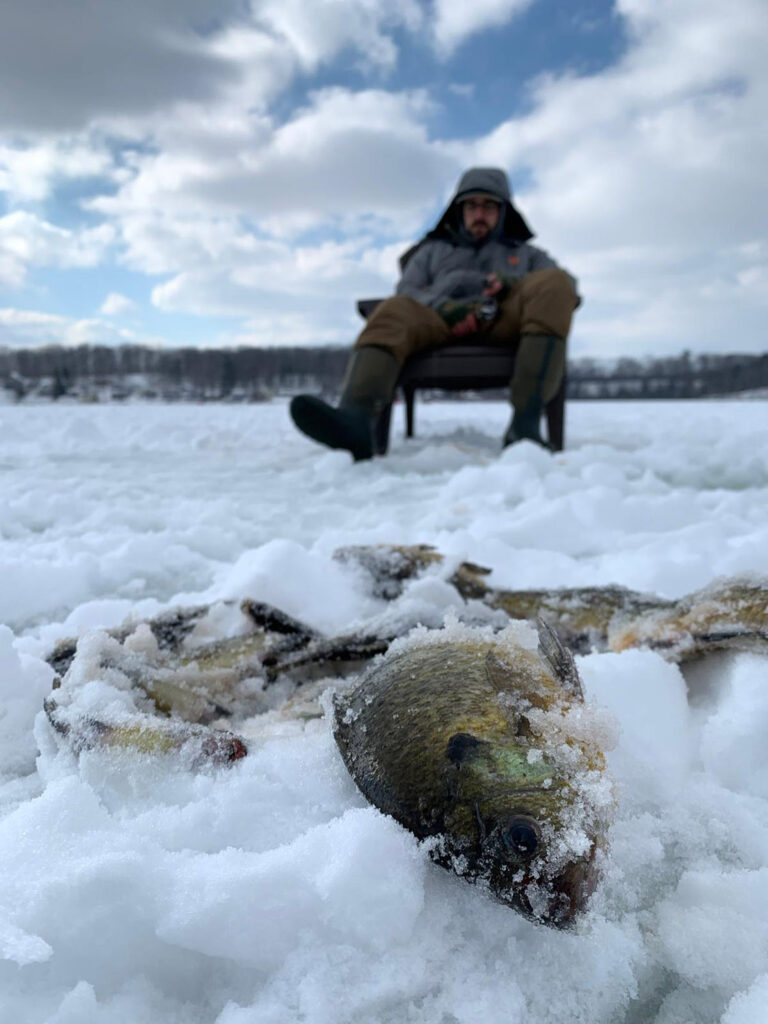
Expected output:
(729, 614)
(195, 746)
(189, 675)
(482, 745)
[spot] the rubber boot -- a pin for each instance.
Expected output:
(367, 390)
(539, 367)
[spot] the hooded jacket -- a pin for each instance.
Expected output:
(449, 264)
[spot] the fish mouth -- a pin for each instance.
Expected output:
(555, 901)
(573, 889)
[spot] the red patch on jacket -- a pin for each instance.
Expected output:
(513, 260)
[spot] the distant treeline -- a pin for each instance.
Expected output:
(94, 372)
(102, 373)
(683, 376)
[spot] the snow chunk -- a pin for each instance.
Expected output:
(357, 879)
(19, 946)
(312, 588)
(24, 682)
(648, 697)
(713, 930)
(749, 1007)
(733, 737)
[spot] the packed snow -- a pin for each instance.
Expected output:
(135, 890)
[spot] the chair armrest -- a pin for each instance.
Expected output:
(366, 306)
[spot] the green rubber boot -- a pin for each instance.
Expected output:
(539, 367)
(367, 390)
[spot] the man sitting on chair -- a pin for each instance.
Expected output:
(474, 275)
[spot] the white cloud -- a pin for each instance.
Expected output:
(27, 241)
(342, 157)
(116, 304)
(623, 165)
(317, 32)
(648, 178)
(29, 172)
(224, 224)
(456, 20)
(29, 328)
(12, 270)
(300, 327)
(31, 325)
(306, 294)
(215, 192)
(64, 65)
(640, 299)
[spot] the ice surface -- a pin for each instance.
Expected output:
(137, 891)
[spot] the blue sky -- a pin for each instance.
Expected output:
(234, 172)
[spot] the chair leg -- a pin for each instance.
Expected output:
(410, 395)
(381, 431)
(555, 410)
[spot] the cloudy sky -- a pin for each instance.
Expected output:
(225, 172)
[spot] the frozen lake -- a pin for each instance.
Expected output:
(273, 892)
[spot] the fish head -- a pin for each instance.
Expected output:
(529, 868)
(527, 826)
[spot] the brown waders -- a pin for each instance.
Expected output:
(534, 318)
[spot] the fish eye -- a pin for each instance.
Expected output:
(523, 836)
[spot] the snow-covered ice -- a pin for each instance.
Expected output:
(135, 891)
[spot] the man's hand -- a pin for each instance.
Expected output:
(466, 326)
(496, 287)
(460, 317)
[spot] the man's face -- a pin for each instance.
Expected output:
(481, 215)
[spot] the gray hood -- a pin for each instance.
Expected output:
(494, 182)
(490, 180)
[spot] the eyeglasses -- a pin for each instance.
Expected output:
(476, 205)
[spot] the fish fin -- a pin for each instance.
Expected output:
(389, 565)
(469, 580)
(559, 660)
(481, 570)
(171, 628)
(340, 656)
(274, 620)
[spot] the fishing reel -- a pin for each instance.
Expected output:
(487, 310)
